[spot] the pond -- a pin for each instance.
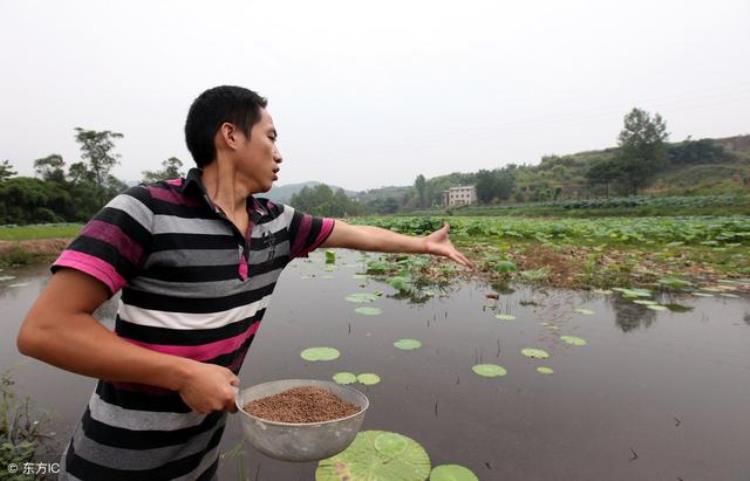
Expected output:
(651, 394)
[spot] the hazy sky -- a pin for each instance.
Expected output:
(366, 94)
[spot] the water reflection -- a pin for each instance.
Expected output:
(630, 316)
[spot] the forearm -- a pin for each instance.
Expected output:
(370, 238)
(86, 347)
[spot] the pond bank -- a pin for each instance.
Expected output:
(25, 252)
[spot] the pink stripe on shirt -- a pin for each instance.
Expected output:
(93, 266)
(113, 235)
(325, 231)
(172, 197)
(202, 352)
(304, 229)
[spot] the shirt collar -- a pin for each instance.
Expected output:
(194, 184)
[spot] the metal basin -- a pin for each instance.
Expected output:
(300, 442)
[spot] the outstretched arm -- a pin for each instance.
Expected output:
(369, 238)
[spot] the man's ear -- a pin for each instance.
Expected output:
(229, 136)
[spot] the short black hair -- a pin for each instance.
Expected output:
(227, 103)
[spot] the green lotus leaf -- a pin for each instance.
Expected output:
(657, 308)
(363, 461)
(574, 340)
(586, 312)
(320, 354)
(489, 370)
(702, 294)
(505, 317)
(407, 344)
(545, 370)
(344, 378)
(368, 379)
(368, 311)
(535, 353)
(361, 297)
(645, 302)
(330, 257)
(452, 472)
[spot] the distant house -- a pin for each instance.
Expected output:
(463, 195)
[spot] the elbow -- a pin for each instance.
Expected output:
(29, 339)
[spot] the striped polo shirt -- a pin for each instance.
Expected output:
(192, 286)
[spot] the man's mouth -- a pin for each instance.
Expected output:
(276, 174)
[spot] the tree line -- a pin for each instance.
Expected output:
(70, 193)
(642, 152)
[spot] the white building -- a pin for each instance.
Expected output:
(463, 195)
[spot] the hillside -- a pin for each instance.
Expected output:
(284, 193)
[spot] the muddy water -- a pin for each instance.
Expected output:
(654, 395)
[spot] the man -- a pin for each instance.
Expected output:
(197, 260)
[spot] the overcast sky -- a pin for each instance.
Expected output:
(366, 95)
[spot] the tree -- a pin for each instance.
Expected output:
(170, 170)
(421, 184)
(6, 170)
(486, 186)
(642, 149)
(98, 158)
(703, 151)
(603, 172)
(50, 168)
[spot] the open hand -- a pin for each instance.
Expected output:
(438, 243)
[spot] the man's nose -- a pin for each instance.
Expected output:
(277, 155)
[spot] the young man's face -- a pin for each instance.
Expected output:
(258, 157)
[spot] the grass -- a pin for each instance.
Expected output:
(22, 436)
(39, 231)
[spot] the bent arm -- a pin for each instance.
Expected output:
(60, 330)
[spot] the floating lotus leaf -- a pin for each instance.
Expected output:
(586, 312)
(489, 370)
(678, 308)
(407, 344)
(657, 307)
(645, 302)
(320, 354)
(452, 472)
(368, 379)
(723, 294)
(368, 311)
(505, 317)
(7, 278)
(535, 353)
(330, 257)
(23, 284)
(574, 340)
(702, 294)
(360, 276)
(345, 378)
(363, 461)
(633, 292)
(545, 370)
(362, 297)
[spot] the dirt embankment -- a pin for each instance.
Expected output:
(45, 247)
